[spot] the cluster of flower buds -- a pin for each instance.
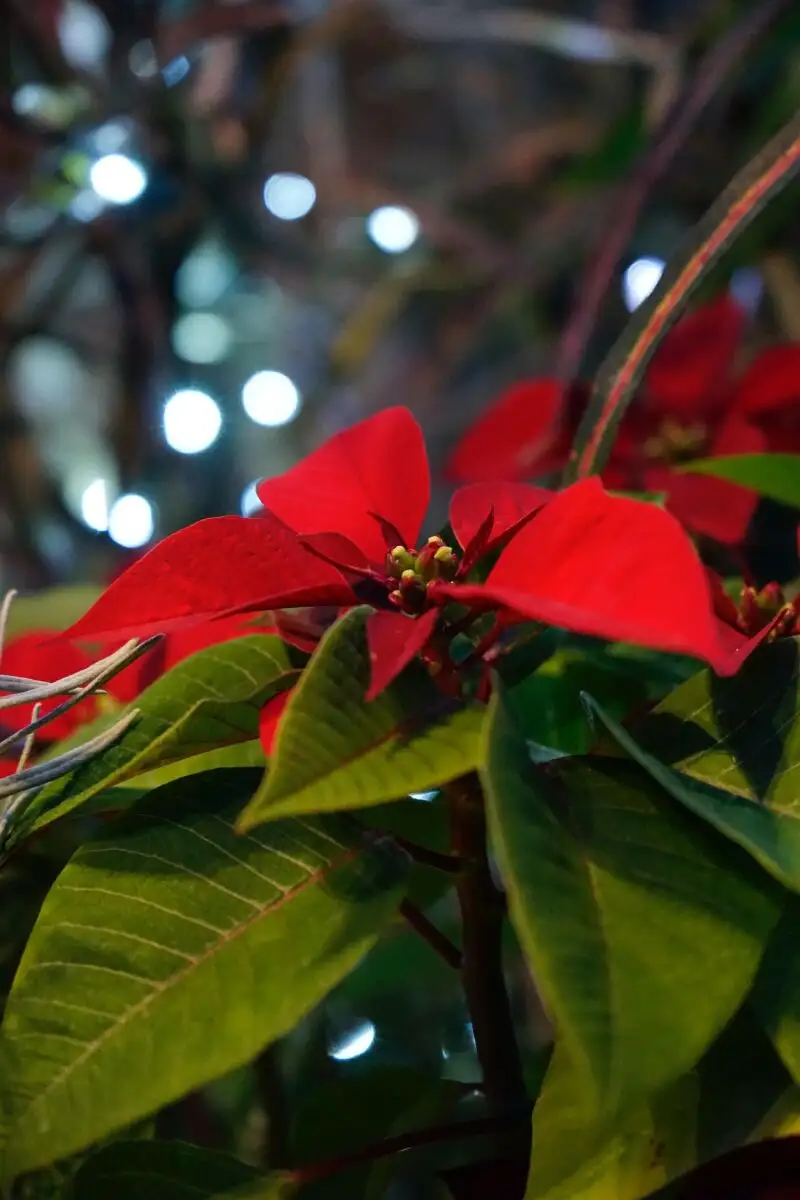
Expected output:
(675, 442)
(757, 609)
(415, 570)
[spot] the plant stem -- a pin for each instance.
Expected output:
(438, 941)
(409, 1141)
(428, 858)
(270, 1085)
(482, 914)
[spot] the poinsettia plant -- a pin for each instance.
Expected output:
(346, 856)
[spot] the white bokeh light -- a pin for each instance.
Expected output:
(639, 280)
(204, 275)
(192, 421)
(288, 196)
(426, 797)
(355, 1043)
(393, 229)
(270, 398)
(94, 506)
(131, 523)
(118, 179)
(111, 137)
(86, 205)
(249, 502)
(201, 337)
(84, 34)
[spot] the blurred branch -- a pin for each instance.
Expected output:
(709, 75)
(182, 34)
(564, 36)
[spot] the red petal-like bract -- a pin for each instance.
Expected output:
(610, 567)
(174, 648)
(689, 372)
(713, 507)
(378, 466)
(36, 656)
(771, 382)
(393, 640)
(219, 565)
(337, 549)
(509, 502)
(513, 439)
(269, 717)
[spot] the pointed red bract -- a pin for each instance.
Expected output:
(35, 655)
(174, 648)
(393, 640)
(269, 719)
(512, 439)
(609, 567)
(222, 565)
(713, 507)
(771, 382)
(688, 374)
(378, 466)
(338, 550)
(509, 503)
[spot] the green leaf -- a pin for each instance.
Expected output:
(741, 1080)
(729, 750)
(335, 750)
(208, 701)
(624, 909)
(649, 1145)
(548, 703)
(427, 824)
(776, 997)
(171, 951)
(172, 1171)
(776, 476)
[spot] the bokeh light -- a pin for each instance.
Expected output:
(94, 506)
(192, 421)
(249, 502)
(289, 197)
(639, 280)
(84, 34)
(131, 522)
(204, 275)
(118, 179)
(393, 229)
(270, 398)
(355, 1043)
(201, 337)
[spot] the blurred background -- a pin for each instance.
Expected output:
(230, 228)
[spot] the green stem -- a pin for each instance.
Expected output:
(482, 914)
(408, 1141)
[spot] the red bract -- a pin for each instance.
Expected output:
(610, 567)
(359, 503)
(174, 648)
(222, 565)
(691, 404)
(341, 527)
(35, 655)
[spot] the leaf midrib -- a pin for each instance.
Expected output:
(160, 989)
(343, 764)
